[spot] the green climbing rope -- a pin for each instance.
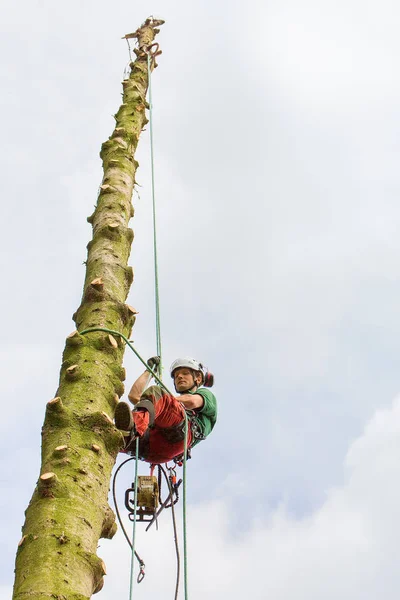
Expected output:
(153, 193)
(158, 324)
(185, 445)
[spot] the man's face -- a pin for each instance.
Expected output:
(183, 379)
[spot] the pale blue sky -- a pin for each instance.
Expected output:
(277, 152)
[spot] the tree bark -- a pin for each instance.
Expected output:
(69, 511)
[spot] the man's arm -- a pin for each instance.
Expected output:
(138, 387)
(191, 401)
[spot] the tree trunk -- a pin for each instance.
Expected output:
(69, 512)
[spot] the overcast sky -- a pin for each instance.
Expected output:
(277, 151)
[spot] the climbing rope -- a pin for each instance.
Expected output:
(150, 57)
(178, 561)
(152, 51)
(185, 571)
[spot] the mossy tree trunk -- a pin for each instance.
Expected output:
(69, 511)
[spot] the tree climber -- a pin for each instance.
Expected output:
(158, 417)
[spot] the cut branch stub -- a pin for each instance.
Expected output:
(109, 526)
(110, 532)
(97, 283)
(72, 335)
(72, 372)
(118, 131)
(113, 341)
(132, 310)
(114, 401)
(55, 404)
(103, 566)
(107, 417)
(48, 479)
(74, 339)
(95, 448)
(61, 449)
(120, 141)
(129, 275)
(99, 570)
(56, 412)
(99, 586)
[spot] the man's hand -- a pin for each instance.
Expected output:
(154, 363)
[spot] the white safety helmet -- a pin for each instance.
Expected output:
(207, 378)
(189, 363)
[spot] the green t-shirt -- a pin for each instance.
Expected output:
(206, 416)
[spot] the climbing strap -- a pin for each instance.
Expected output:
(134, 523)
(149, 407)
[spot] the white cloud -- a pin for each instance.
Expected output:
(346, 548)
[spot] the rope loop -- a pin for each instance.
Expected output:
(152, 52)
(141, 575)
